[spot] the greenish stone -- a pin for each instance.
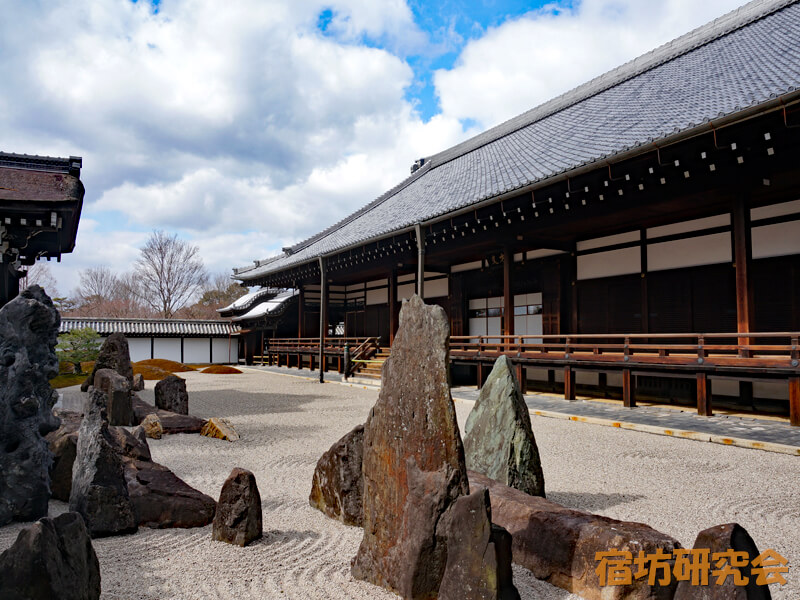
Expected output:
(498, 439)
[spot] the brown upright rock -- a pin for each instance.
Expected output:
(498, 439)
(138, 382)
(171, 395)
(28, 336)
(63, 446)
(722, 538)
(337, 488)
(413, 464)
(99, 492)
(238, 517)
(478, 553)
(118, 394)
(114, 355)
(53, 558)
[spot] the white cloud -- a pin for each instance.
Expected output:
(529, 60)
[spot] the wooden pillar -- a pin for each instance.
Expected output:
(573, 278)
(628, 390)
(743, 253)
(480, 375)
(645, 301)
(420, 260)
(746, 393)
(794, 401)
(508, 298)
(551, 380)
(523, 384)
(323, 317)
(301, 300)
(704, 407)
(602, 383)
(392, 303)
(569, 383)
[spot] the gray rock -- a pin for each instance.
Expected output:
(63, 443)
(52, 558)
(118, 393)
(28, 336)
(114, 355)
(498, 439)
(337, 488)
(171, 395)
(478, 553)
(99, 490)
(138, 382)
(413, 463)
(170, 422)
(722, 538)
(238, 517)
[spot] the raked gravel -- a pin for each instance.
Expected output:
(677, 486)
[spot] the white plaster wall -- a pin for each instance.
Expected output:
(608, 264)
(378, 296)
(167, 348)
(725, 387)
(609, 240)
(691, 252)
(436, 288)
(775, 210)
(587, 378)
(686, 226)
(139, 348)
(405, 291)
(220, 351)
(477, 326)
(466, 267)
(196, 350)
(541, 253)
(780, 239)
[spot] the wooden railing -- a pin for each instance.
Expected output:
(332, 344)
(361, 354)
(753, 350)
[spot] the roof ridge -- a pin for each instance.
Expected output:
(149, 320)
(700, 36)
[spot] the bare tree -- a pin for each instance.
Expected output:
(169, 273)
(98, 283)
(40, 274)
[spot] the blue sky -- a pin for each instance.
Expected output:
(247, 126)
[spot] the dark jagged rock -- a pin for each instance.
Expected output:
(28, 336)
(413, 465)
(721, 538)
(161, 499)
(63, 444)
(114, 355)
(478, 553)
(171, 395)
(52, 558)
(118, 393)
(337, 488)
(559, 545)
(170, 422)
(99, 492)
(238, 517)
(498, 439)
(130, 444)
(138, 382)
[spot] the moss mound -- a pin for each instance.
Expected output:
(149, 372)
(221, 370)
(170, 366)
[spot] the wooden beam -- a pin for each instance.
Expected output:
(743, 253)
(704, 405)
(794, 401)
(569, 383)
(508, 298)
(628, 391)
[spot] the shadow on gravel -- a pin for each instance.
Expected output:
(591, 502)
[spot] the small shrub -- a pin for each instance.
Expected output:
(78, 346)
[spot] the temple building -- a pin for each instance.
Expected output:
(638, 235)
(40, 205)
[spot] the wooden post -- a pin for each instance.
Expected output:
(323, 318)
(508, 299)
(645, 301)
(743, 253)
(569, 383)
(299, 361)
(794, 401)
(521, 378)
(480, 375)
(551, 380)
(628, 391)
(746, 393)
(602, 383)
(420, 260)
(392, 303)
(301, 299)
(704, 406)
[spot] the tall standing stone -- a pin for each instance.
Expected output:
(53, 558)
(28, 336)
(498, 439)
(171, 395)
(238, 516)
(118, 396)
(99, 490)
(413, 463)
(114, 355)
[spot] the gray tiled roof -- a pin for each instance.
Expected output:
(742, 60)
(150, 327)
